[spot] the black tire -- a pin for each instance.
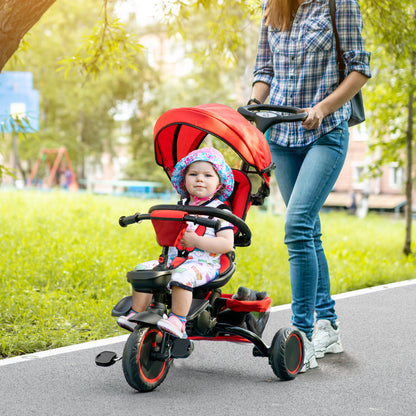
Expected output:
(140, 370)
(286, 353)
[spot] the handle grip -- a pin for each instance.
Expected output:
(131, 219)
(206, 222)
(267, 115)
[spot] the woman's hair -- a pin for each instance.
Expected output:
(279, 14)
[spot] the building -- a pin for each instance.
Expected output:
(355, 187)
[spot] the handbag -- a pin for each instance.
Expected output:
(357, 104)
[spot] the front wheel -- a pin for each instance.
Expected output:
(143, 370)
(286, 353)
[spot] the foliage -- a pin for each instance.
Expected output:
(109, 47)
(64, 260)
(392, 96)
(390, 30)
(225, 25)
(81, 116)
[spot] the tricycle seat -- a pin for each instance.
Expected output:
(148, 280)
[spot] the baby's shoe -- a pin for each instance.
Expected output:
(309, 360)
(173, 325)
(326, 339)
(124, 322)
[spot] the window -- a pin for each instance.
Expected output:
(396, 176)
(358, 171)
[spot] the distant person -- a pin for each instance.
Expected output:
(201, 178)
(296, 65)
(352, 209)
(67, 178)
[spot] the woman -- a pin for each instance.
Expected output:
(296, 66)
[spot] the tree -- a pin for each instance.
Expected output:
(17, 18)
(391, 28)
(211, 77)
(76, 111)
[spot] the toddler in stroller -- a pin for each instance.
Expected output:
(202, 178)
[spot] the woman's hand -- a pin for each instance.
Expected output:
(314, 119)
(345, 91)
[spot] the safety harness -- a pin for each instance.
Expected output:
(170, 233)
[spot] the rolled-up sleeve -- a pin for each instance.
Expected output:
(263, 68)
(349, 25)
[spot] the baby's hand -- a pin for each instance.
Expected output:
(189, 238)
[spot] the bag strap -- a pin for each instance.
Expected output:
(340, 59)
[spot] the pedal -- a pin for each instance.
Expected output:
(182, 348)
(106, 358)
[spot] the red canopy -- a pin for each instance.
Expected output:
(179, 131)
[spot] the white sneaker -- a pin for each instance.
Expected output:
(326, 339)
(309, 360)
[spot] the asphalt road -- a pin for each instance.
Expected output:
(376, 375)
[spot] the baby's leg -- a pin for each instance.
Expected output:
(184, 278)
(141, 300)
(181, 301)
(188, 275)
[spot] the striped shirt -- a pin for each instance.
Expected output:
(300, 65)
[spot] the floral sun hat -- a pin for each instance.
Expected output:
(205, 154)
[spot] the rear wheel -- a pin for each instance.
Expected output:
(286, 353)
(142, 371)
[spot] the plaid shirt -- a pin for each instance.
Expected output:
(300, 65)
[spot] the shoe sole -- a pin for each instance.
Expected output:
(171, 330)
(335, 348)
(312, 363)
(126, 326)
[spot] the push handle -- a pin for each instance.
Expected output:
(266, 115)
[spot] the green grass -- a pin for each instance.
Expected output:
(64, 259)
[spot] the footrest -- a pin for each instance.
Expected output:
(123, 307)
(197, 306)
(246, 305)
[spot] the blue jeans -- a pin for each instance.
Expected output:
(305, 177)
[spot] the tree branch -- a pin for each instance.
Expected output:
(16, 18)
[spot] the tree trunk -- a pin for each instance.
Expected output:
(16, 18)
(407, 249)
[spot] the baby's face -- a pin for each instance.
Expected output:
(201, 180)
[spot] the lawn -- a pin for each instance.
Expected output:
(64, 259)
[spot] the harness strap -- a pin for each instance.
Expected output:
(183, 252)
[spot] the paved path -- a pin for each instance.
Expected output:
(376, 375)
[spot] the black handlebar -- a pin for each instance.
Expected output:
(266, 115)
(206, 222)
(125, 221)
(242, 238)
